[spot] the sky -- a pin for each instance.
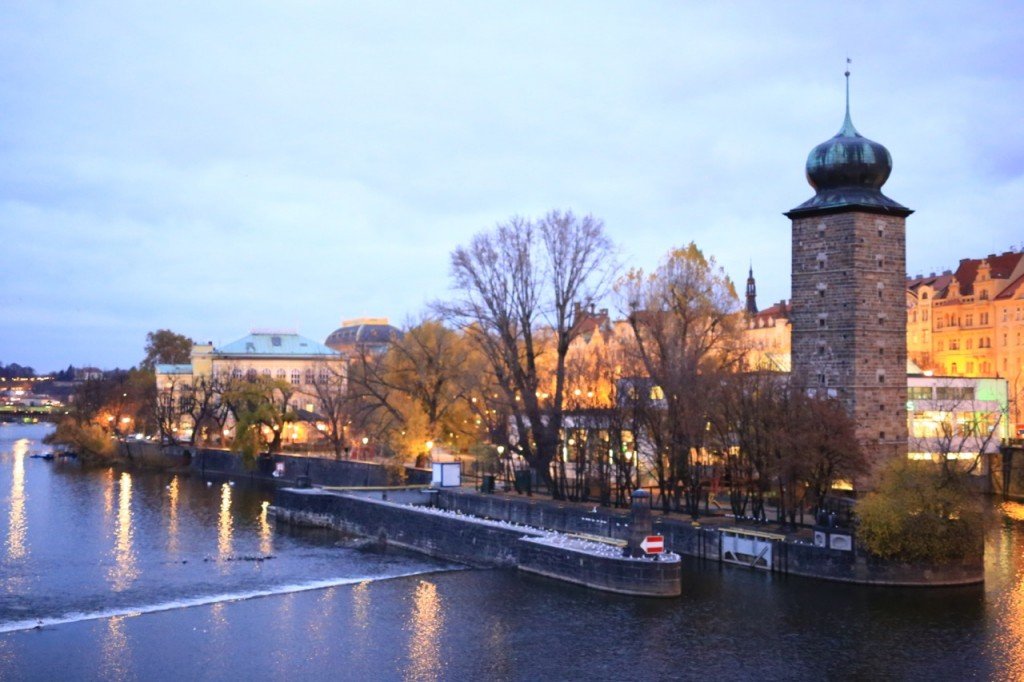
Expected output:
(217, 167)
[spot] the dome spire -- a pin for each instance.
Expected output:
(848, 128)
(848, 171)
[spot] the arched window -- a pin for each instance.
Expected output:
(296, 377)
(281, 375)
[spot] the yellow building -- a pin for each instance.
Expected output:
(284, 356)
(967, 323)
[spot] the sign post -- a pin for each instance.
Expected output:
(653, 544)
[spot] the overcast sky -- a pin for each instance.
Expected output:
(213, 167)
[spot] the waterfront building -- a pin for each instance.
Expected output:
(848, 317)
(958, 418)
(963, 323)
(284, 356)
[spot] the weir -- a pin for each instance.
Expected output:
(407, 521)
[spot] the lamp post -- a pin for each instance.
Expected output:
(504, 465)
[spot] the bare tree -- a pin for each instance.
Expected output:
(685, 324)
(336, 404)
(515, 288)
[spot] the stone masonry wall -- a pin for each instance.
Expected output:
(849, 320)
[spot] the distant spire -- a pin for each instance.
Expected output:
(751, 292)
(848, 128)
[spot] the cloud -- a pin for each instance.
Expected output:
(210, 168)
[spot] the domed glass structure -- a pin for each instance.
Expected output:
(848, 171)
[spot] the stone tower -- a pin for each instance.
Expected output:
(849, 317)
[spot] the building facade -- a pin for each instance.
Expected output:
(964, 323)
(285, 356)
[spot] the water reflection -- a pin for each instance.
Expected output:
(116, 652)
(17, 525)
(424, 644)
(266, 536)
(361, 605)
(1004, 552)
(321, 624)
(124, 571)
(225, 524)
(172, 516)
(108, 496)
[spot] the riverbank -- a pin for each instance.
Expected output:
(82, 540)
(829, 554)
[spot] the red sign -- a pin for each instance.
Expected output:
(653, 544)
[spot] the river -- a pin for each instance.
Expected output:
(123, 575)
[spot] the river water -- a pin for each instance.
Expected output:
(116, 575)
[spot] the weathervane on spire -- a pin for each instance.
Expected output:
(847, 123)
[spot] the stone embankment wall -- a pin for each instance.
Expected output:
(705, 542)
(321, 470)
(470, 540)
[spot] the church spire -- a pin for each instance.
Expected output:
(751, 293)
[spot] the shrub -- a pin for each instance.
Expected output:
(919, 513)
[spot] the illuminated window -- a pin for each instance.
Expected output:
(657, 393)
(919, 393)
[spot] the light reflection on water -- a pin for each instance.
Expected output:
(172, 516)
(225, 523)
(266, 533)
(124, 571)
(424, 640)
(17, 525)
(116, 663)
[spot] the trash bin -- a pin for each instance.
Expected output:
(523, 482)
(487, 484)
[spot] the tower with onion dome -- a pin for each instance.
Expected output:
(849, 318)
